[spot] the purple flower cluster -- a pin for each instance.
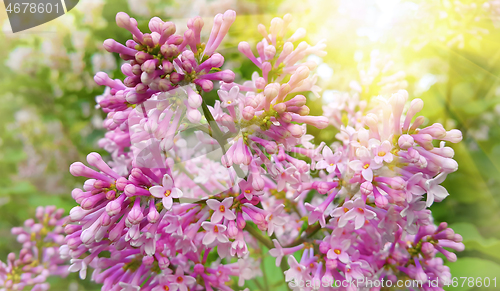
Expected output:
(39, 257)
(162, 60)
(191, 188)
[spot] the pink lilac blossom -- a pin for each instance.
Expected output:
(39, 257)
(189, 184)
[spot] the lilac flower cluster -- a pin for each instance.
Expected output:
(39, 257)
(192, 188)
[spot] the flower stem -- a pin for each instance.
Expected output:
(258, 235)
(309, 232)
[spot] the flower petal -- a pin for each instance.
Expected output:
(157, 191)
(367, 174)
(216, 217)
(167, 181)
(167, 202)
(213, 204)
(356, 165)
(228, 202)
(176, 193)
(209, 238)
(229, 215)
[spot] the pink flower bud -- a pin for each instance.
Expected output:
(194, 100)
(436, 130)
(300, 74)
(331, 264)
(147, 40)
(176, 77)
(295, 130)
(149, 66)
(193, 115)
(269, 52)
(417, 123)
(405, 141)
(240, 221)
(167, 66)
(90, 202)
(116, 232)
(280, 107)
(260, 83)
(380, 200)
(298, 101)
(153, 215)
(95, 159)
(123, 20)
(163, 262)
(199, 269)
(77, 213)
(316, 121)
(105, 219)
(248, 112)
(453, 136)
(324, 247)
(141, 57)
(121, 183)
(136, 69)
(163, 85)
(148, 260)
(78, 169)
(366, 188)
(155, 25)
(135, 215)
(110, 195)
(206, 85)
(29, 222)
(303, 110)
(415, 106)
(424, 140)
(232, 230)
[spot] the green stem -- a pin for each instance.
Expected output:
(264, 273)
(257, 234)
(190, 176)
(309, 232)
(218, 135)
(258, 285)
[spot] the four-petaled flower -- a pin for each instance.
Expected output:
(358, 212)
(329, 161)
(365, 164)
(231, 97)
(382, 152)
(182, 281)
(296, 271)
(221, 209)
(339, 250)
(274, 219)
(214, 231)
(353, 272)
(166, 192)
(434, 190)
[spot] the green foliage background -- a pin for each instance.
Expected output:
(48, 120)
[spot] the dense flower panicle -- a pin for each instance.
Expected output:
(39, 257)
(162, 60)
(191, 188)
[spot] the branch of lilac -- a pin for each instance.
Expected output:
(142, 224)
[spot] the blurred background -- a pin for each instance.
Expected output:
(444, 52)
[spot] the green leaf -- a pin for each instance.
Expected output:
(22, 187)
(473, 240)
(474, 268)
